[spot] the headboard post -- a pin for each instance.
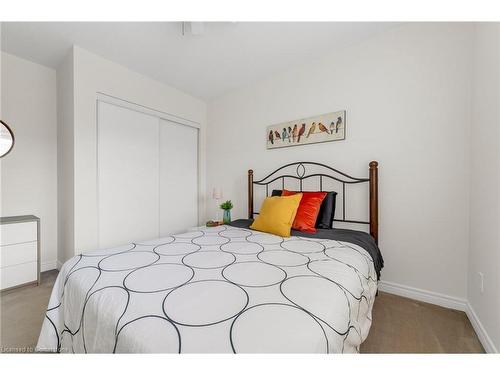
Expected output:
(250, 194)
(374, 200)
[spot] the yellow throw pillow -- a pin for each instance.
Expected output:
(277, 214)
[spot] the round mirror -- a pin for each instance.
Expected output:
(6, 139)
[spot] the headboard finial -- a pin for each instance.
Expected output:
(373, 164)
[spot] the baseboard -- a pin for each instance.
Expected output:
(59, 265)
(423, 295)
(481, 333)
(47, 266)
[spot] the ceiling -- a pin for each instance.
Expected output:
(227, 56)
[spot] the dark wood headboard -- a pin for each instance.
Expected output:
(343, 178)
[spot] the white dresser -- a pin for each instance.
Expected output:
(19, 251)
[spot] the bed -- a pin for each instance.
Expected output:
(227, 289)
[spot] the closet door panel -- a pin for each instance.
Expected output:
(128, 179)
(178, 177)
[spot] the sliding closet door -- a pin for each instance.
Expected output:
(128, 179)
(178, 177)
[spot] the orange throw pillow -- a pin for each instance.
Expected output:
(308, 210)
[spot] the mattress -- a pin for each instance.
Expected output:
(226, 289)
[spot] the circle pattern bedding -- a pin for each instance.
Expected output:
(222, 289)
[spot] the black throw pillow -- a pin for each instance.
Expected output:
(326, 210)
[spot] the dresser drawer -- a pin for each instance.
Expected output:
(17, 233)
(17, 275)
(10, 255)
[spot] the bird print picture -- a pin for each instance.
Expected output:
(322, 128)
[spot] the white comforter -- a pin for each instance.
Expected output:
(220, 289)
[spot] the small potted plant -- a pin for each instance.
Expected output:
(226, 206)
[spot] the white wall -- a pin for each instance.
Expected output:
(0, 78)
(65, 159)
(93, 74)
(484, 254)
(407, 96)
(29, 172)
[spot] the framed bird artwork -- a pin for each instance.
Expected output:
(322, 128)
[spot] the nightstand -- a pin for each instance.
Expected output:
(19, 251)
